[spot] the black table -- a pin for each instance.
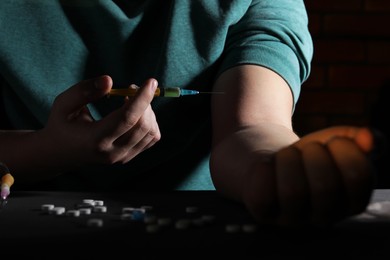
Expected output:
(26, 230)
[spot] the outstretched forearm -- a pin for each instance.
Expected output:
(281, 178)
(252, 119)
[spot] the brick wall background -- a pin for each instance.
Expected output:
(351, 65)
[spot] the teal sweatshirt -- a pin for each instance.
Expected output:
(46, 46)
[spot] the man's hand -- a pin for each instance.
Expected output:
(118, 137)
(320, 179)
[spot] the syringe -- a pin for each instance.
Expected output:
(160, 92)
(6, 182)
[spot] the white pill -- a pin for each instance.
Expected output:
(381, 208)
(132, 209)
(182, 224)
(88, 201)
(208, 219)
(191, 209)
(73, 213)
(85, 211)
(152, 228)
(47, 207)
(100, 209)
(164, 221)
(57, 210)
(249, 228)
(126, 216)
(232, 228)
(98, 203)
(147, 207)
(95, 222)
(84, 205)
(150, 219)
(199, 222)
(128, 209)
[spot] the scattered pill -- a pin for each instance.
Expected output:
(47, 207)
(164, 221)
(100, 209)
(94, 222)
(182, 224)
(381, 209)
(73, 213)
(208, 219)
(152, 228)
(150, 219)
(126, 216)
(249, 228)
(57, 210)
(85, 211)
(191, 209)
(98, 203)
(232, 228)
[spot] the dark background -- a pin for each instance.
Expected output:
(350, 78)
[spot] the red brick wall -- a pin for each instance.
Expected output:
(351, 63)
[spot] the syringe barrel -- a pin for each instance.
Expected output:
(169, 92)
(160, 92)
(7, 179)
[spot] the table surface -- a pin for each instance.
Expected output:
(24, 227)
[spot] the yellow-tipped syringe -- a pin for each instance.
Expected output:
(160, 92)
(5, 184)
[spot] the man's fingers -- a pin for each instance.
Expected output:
(355, 171)
(326, 184)
(122, 120)
(137, 106)
(293, 188)
(84, 92)
(363, 137)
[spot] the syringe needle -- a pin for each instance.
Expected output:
(185, 92)
(211, 92)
